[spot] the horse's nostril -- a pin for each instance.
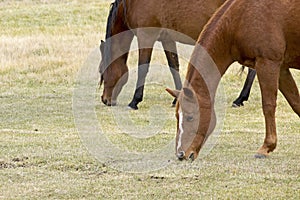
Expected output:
(104, 100)
(192, 157)
(180, 155)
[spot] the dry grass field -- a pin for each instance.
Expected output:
(46, 46)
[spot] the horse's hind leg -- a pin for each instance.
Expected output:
(246, 89)
(268, 75)
(172, 57)
(289, 89)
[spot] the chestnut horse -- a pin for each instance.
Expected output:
(264, 35)
(187, 17)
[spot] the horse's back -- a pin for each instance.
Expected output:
(266, 29)
(186, 17)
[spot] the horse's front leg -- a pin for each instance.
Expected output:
(268, 76)
(244, 95)
(172, 57)
(143, 68)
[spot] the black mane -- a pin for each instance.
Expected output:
(111, 17)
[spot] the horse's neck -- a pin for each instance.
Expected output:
(119, 33)
(209, 61)
(117, 20)
(215, 39)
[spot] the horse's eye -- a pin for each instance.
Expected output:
(189, 118)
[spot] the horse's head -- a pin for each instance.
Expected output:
(190, 134)
(114, 73)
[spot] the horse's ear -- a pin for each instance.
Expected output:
(174, 93)
(102, 45)
(188, 92)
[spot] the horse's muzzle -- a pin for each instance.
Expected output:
(180, 155)
(108, 103)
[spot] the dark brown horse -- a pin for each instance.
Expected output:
(264, 35)
(186, 17)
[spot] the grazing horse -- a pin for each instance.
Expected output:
(130, 15)
(264, 35)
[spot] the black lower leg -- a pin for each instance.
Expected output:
(244, 95)
(137, 97)
(139, 91)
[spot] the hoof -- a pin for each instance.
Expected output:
(236, 105)
(133, 106)
(260, 156)
(129, 107)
